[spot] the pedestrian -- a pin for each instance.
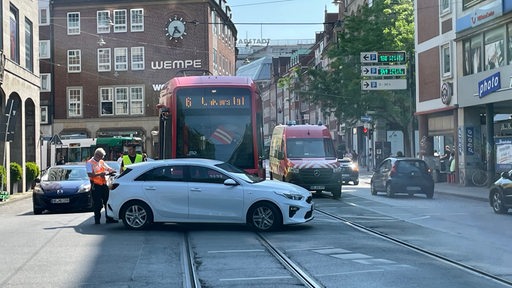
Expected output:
(97, 170)
(131, 158)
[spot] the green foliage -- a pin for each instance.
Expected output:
(31, 171)
(385, 26)
(3, 174)
(16, 172)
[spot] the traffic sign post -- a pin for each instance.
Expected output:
(389, 70)
(391, 74)
(384, 84)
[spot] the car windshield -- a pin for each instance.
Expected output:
(239, 173)
(66, 174)
(412, 166)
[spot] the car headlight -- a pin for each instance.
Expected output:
(293, 170)
(354, 167)
(84, 188)
(336, 170)
(289, 195)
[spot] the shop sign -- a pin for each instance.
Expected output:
(489, 85)
(470, 141)
(479, 15)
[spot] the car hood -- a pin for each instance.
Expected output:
(302, 163)
(274, 185)
(63, 187)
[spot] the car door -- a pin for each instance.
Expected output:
(166, 190)
(212, 201)
(381, 174)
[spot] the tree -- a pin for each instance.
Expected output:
(386, 26)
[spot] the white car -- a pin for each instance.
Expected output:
(204, 191)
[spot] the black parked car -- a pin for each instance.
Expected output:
(63, 188)
(349, 171)
(403, 175)
(500, 195)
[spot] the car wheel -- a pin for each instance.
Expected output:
(356, 182)
(373, 189)
(497, 202)
(389, 192)
(136, 215)
(38, 211)
(430, 194)
(264, 217)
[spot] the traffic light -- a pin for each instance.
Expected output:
(370, 134)
(365, 131)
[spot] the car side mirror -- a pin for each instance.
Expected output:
(505, 175)
(230, 182)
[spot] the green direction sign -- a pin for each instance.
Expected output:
(388, 70)
(391, 56)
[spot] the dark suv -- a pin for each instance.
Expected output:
(500, 194)
(403, 175)
(349, 171)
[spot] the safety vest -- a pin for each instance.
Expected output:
(97, 168)
(127, 161)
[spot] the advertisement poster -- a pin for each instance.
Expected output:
(503, 154)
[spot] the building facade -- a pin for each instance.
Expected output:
(463, 75)
(108, 60)
(19, 90)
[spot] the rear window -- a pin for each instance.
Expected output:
(408, 166)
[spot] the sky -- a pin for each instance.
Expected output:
(279, 11)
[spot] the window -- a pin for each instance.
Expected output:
(74, 101)
(137, 20)
(137, 58)
(446, 60)
(469, 3)
(44, 115)
(46, 84)
(122, 100)
(29, 45)
(104, 61)
(73, 23)
(103, 22)
(494, 48)
(121, 103)
(444, 6)
(509, 34)
(165, 173)
(74, 61)
(120, 59)
(44, 16)
(476, 54)
(107, 101)
(206, 175)
(44, 49)
(14, 35)
(120, 21)
(136, 100)
(467, 68)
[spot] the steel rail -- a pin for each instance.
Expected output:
(291, 266)
(190, 278)
(416, 248)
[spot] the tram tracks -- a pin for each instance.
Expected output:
(416, 248)
(191, 278)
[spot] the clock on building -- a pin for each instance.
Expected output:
(175, 28)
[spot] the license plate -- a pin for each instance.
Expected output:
(345, 175)
(60, 200)
(317, 187)
(413, 188)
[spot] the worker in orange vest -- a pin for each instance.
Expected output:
(97, 170)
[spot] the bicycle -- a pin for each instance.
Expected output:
(479, 178)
